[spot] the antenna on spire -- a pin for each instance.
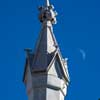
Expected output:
(47, 3)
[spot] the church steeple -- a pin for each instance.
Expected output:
(46, 74)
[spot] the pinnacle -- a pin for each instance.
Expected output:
(47, 13)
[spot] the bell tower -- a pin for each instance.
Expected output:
(46, 74)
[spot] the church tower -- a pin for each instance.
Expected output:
(46, 75)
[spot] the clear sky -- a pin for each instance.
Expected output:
(77, 33)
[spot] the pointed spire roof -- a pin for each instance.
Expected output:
(45, 47)
(46, 44)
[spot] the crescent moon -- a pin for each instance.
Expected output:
(83, 53)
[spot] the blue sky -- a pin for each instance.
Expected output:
(78, 29)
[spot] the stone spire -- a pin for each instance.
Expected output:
(46, 74)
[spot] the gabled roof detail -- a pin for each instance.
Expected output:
(57, 57)
(28, 63)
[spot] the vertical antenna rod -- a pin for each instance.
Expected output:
(47, 3)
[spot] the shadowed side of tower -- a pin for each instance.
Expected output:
(46, 75)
